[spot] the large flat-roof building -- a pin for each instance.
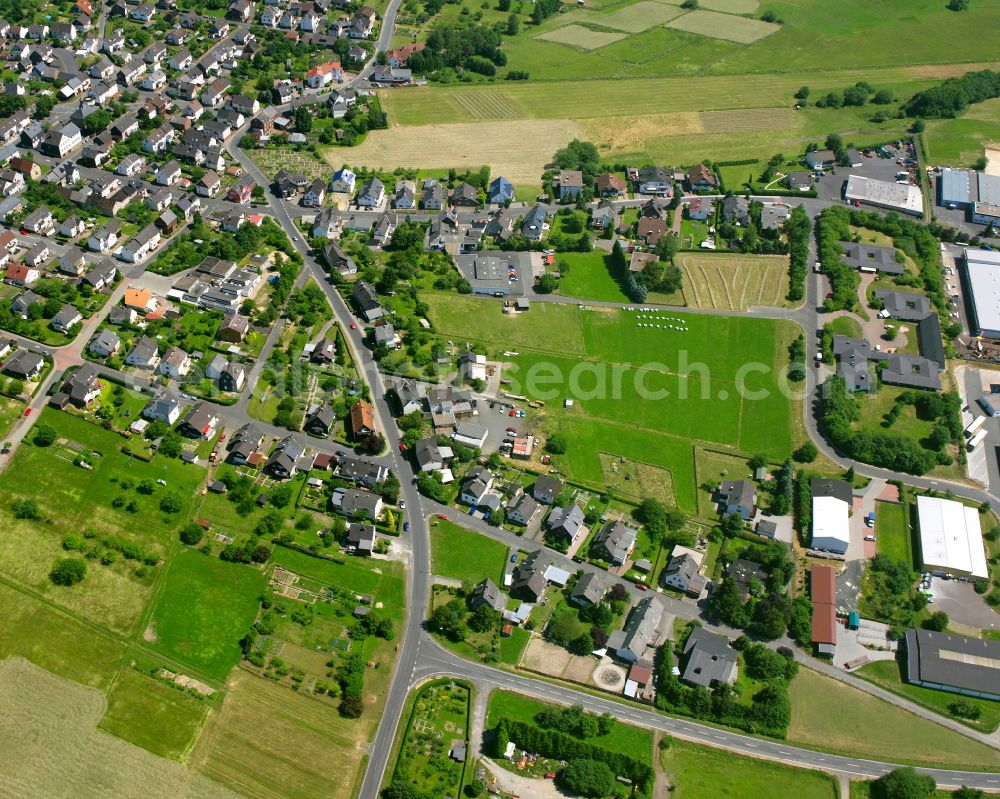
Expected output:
(975, 192)
(956, 663)
(831, 504)
(951, 539)
(902, 197)
(981, 277)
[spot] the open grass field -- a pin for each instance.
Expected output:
(150, 713)
(52, 747)
(632, 741)
(886, 673)
(547, 324)
(727, 282)
(696, 771)
(519, 149)
(56, 641)
(637, 392)
(828, 715)
(959, 142)
(203, 609)
(591, 276)
(875, 407)
(74, 500)
(893, 531)
(299, 747)
(357, 575)
(464, 555)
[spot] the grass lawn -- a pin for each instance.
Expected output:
(875, 406)
(512, 647)
(205, 606)
(959, 142)
(10, 412)
(695, 772)
(464, 555)
(827, 715)
(148, 712)
(886, 673)
(632, 741)
(590, 276)
(845, 326)
(356, 575)
(893, 531)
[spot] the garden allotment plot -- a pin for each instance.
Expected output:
(631, 397)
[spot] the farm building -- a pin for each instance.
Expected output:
(951, 539)
(981, 278)
(823, 593)
(901, 197)
(831, 503)
(955, 663)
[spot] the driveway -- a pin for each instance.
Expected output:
(963, 605)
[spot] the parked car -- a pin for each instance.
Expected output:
(406, 527)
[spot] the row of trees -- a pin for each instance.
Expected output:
(798, 229)
(560, 746)
(954, 96)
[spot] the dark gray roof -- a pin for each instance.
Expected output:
(709, 658)
(929, 336)
(590, 587)
(739, 492)
(904, 305)
(954, 661)
(830, 487)
(913, 371)
(869, 256)
(488, 592)
(852, 362)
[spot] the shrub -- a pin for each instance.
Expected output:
(26, 509)
(68, 571)
(192, 534)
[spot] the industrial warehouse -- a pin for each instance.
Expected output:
(955, 663)
(981, 277)
(951, 540)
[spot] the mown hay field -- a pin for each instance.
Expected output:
(299, 747)
(517, 149)
(733, 282)
(724, 26)
(580, 37)
(638, 16)
(52, 747)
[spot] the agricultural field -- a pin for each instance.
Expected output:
(725, 282)
(52, 746)
(203, 609)
(463, 555)
(701, 771)
(827, 715)
(99, 506)
(609, 365)
(440, 717)
(580, 37)
(153, 714)
(269, 742)
(887, 674)
(510, 147)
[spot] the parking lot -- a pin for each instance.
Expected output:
(831, 185)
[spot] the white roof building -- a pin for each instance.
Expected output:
(903, 197)
(830, 525)
(951, 539)
(982, 274)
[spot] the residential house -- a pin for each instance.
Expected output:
(66, 319)
(589, 590)
(702, 178)
(199, 422)
(104, 343)
(144, 354)
(343, 181)
(356, 502)
(361, 538)
(610, 185)
(487, 593)
(176, 363)
(655, 180)
(547, 489)
(233, 328)
(371, 194)
(362, 419)
(736, 208)
(105, 238)
(566, 523)
(737, 496)
(72, 262)
(522, 510)
(568, 184)
(25, 365)
(500, 192)
(682, 572)
(367, 302)
(709, 659)
(614, 543)
(643, 631)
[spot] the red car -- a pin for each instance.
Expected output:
(222, 437)
(353, 326)
(27, 411)
(402, 447)
(642, 586)
(442, 516)
(513, 412)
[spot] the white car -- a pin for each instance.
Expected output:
(402, 504)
